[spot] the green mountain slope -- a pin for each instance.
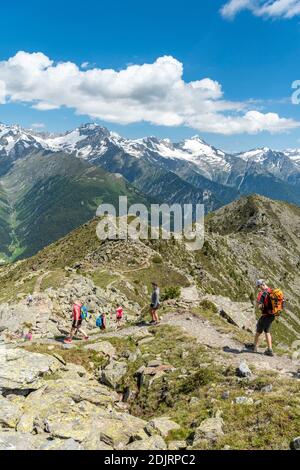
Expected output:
(46, 196)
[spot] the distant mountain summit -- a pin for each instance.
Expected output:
(92, 142)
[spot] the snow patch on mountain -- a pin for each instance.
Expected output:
(293, 155)
(91, 142)
(255, 155)
(67, 142)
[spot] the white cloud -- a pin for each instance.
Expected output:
(155, 93)
(231, 8)
(268, 8)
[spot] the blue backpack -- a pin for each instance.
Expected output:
(84, 313)
(101, 322)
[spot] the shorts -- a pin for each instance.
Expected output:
(154, 308)
(264, 324)
(76, 324)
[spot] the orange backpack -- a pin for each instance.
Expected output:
(277, 301)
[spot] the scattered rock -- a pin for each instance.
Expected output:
(225, 395)
(194, 401)
(210, 429)
(243, 401)
(154, 363)
(295, 444)
(145, 341)
(151, 443)
(243, 370)
(162, 425)
(267, 388)
(177, 445)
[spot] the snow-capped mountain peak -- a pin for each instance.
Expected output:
(91, 141)
(257, 155)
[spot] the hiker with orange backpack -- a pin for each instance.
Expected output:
(271, 303)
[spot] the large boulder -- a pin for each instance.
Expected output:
(94, 427)
(20, 316)
(162, 426)
(16, 441)
(113, 373)
(64, 395)
(190, 294)
(10, 413)
(241, 314)
(104, 347)
(150, 443)
(120, 429)
(210, 429)
(61, 444)
(23, 370)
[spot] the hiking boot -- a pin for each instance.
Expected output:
(269, 352)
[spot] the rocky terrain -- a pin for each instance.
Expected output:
(188, 383)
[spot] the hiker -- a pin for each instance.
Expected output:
(154, 304)
(77, 322)
(29, 336)
(119, 315)
(29, 300)
(101, 321)
(271, 303)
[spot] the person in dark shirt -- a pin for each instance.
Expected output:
(155, 304)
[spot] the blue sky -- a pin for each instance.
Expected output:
(254, 58)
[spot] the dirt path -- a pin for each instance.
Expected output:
(233, 352)
(37, 287)
(225, 349)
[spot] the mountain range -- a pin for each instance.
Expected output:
(45, 191)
